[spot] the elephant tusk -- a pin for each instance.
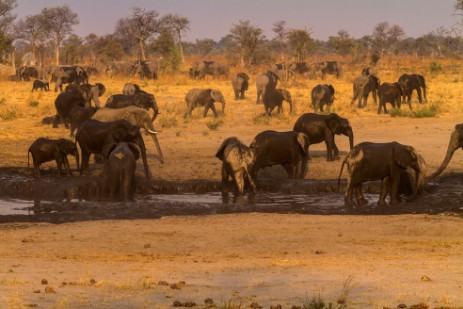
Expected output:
(153, 132)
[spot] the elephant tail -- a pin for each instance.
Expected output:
(340, 172)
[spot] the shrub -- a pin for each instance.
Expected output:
(2, 101)
(33, 103)
(420, 112)
(214, 124)
(9, 114)
(435, 67)
(168, 121)
(261, 119)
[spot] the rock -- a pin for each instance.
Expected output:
(162, 282)
(44, 281)
(92, 281)
(175, 286)
(208, 301)
(425, 278)
(36, 291)
(189, 304)
(177, 303)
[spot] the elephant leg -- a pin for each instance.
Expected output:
(225, 175)
(238, 177)
(420, 98)
(36, 170)
(250, 179)
(304, 165)
(289, 169)
(335, 150)
(67, 166)
(259, 93)
(424, 94)
(348, 193)
(213, 110)
(359, 195)
(59, 163)
(329, 141)
(384, 191)
(206, 109)
(84, 164)
(395, 182)
(242, 95)
(158, 147)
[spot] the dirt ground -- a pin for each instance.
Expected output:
(237, 258)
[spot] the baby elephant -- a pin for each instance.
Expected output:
(45, 150)
(40, 84)
(119, 170)
(204, 97)
(237, 161)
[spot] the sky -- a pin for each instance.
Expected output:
(214, 18)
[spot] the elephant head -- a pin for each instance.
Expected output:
(338, 125)
(407, 157)
(455, 142)
(273, 78)
(67, 147)
(217, 96)
(245, 79)
(108, 148)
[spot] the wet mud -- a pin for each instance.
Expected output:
(69, 199)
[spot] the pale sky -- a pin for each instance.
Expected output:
(214, 18)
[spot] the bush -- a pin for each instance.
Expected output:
(214, 124)
(420, 112)
(2, 101)
(9, 114)
(34, 103)
(168, 121)
(435, 67)
(261, 119)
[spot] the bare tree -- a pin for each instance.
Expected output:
(140, 26)
(385, 37)
(299, 41)
(30, 30)
(281, 35)
(458, 12)
(6, 17)
(178, 25)
(247, 37)
(57, 22)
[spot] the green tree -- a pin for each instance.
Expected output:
(73, 49)
(343, 44)
(178, 25)
(280, 38)
(299, 42)
(247, 38)
(205, 46)
(109, 47)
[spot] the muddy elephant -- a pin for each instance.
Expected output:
(321, 128)
(290, 149)
(93, 135)
(390, 93)
(362, 87)
(45, 150)
(135, 116)
(65, 102)
(322, 95)
(274, 98)
(68, 75)
(237, 160)
(42, 84)
(240, 83)
(119, 170)
(145, 69)
(412, 82)
(140, 99)
(381, 161)
(78, 116)
(265, 81)
(204, 97)
(455, 142)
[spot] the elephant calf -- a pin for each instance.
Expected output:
(390, 93)
(45, 150)
(275, 97)
(237, 161)
(322, 95)
(240, 83)
(40, 84)
(119, 170)
(204, 97)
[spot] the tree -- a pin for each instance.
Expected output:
(299, 42)
(247, 37)
(140, 26)
(6, 17)
(386, 37)
(458, 11)
(109, 48)
(178, 25)
(73, 49)
(205, 46)
(280, 38)
(57, 22)
(30, 30)
(343, 44)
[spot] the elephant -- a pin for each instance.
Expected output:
(265, 81)
(204, 97)
(140, 99)
(119, 68)
(329, 67)
(40, 84)
(68, 75)
(275, 97)
(65, 102)
(25, 73)
(300, 68)
(92, 93)
(45, 150)
(79, 115)
(412, 82)
(290, 149)
(390, 93)
(119, 170)
(237, 160)
(199, 69)
(455, 142)
(369, 71)
(381, 161)
(145, 69)
(240, 83)
(136, 116)
(362, 87)
(130, 89)
(94, 135)
(319, 128)
(322, 95)
(91, 70)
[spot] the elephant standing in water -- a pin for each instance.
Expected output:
(381, 161)
(237, 161)
(204, 97)
(455, 142)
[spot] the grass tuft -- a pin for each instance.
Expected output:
(33, 103)
(11, 113)
(426, 111)
(214, 124)
(261, 119)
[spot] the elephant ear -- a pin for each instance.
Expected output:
(221, 151)
(333, 123)
(331, 88)
(404, 156)
(243, 76)
(304, 142)
(101, 89)
(217, 95)
(135, 149)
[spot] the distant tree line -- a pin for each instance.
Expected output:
(49, 36)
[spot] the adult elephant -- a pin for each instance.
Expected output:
(237, 160)
(240, 83)
(412, 82)
(25, 73)
(300, 69)
(68, 75)
(78, 116)
(381, 161)
(65, 102)
(140, 99)
(135, 116)
(94, 135)
(119, 170)
(390, 93)
(265, 81)
(219, 70)
(323, 128)
(362, 87)
(204, 97)
(199, 69)
(455, 142)
(275, 97)
(89, 92)
(119, 68)
(290, 149)
(329, 67)
(145, 69)
(322, 95)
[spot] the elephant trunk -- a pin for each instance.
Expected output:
(453, 145)
(350, 134)
(223, 108)
(155, 114)
(290, 102)
(158, 147)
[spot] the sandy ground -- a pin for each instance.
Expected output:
(239, 258)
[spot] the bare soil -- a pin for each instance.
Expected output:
(269, 249)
